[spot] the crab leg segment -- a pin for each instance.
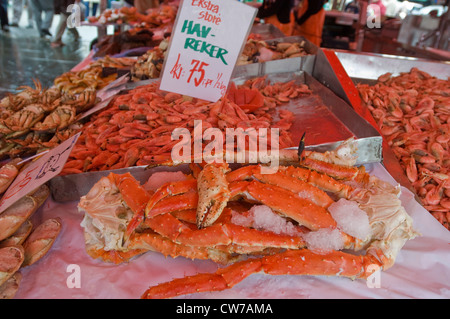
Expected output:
(170, 227)
(285, 203)
(170, 189)
(282, 179)
(222, 279)
(170, 204)
(306, 262)
(339, 172)
(290, 262)
(135, 196)
(151, 241)
(115, 256)
(219, 234)
(251, 237)
(142, 242)
(319, 180)
(132, 192)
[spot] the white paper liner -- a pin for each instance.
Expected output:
(422, 269)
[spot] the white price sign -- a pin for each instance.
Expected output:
(38, 172)
(206, 42)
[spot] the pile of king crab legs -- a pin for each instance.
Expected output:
(197, 218)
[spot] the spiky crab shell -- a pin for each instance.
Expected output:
(106, 216)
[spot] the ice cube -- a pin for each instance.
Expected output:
(324, 240)
(351, 219)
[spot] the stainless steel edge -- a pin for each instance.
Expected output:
(369, 66)
(72, 187)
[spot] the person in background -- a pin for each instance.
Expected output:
(61, 9)
(95, 5)
(309, 20)
(94, 9)
(43, 25)
(4, 15)
(278, 13)
(352, 7)
(18, 6)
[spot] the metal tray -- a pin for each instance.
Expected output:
(367, 67)
(72, 187)
(310, 47)
(321, 112)
(279, 66)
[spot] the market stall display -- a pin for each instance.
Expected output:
(211, 224)
(426, 255)
(141, 224)
(412, 112)
(36, 119)
(149, 65)
(256, 51)
(156, 17)
(126, 41)
(21, 243)
(136, 128)
(133, 30)
(39, 118)
(93, 75)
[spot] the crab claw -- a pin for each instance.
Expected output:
(213, 193)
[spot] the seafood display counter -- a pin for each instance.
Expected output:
(329, 112)
(408, 99)
(336, 117)
(68, 271)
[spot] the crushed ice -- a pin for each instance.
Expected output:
(263, 218)
(351, 219)
(324, 240)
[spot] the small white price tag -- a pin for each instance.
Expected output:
(205, 44)
(38, 172)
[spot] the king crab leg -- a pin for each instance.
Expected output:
(290, 262)
(219, 234)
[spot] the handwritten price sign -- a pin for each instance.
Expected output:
(206, 42)
(38, 172)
